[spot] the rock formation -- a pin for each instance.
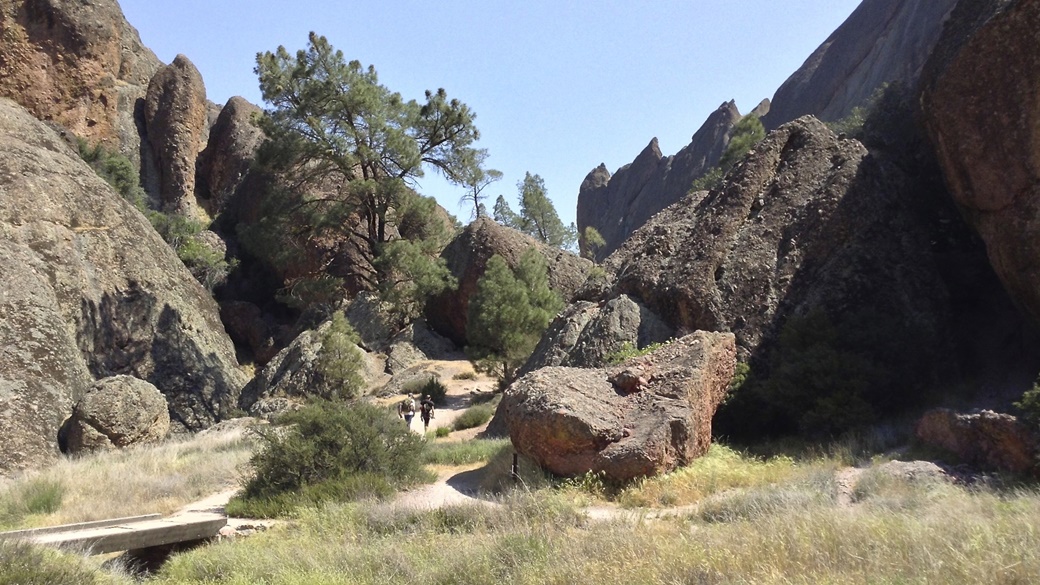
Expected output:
(175, 113)
(616, 205)
(79, 64)
(984, 438)
(293, 376)
(587, 334)
(574, 420)
(117, 412)
(224, 163)
(467, 257)
(91, 291)
(983, 115)
(883, 41)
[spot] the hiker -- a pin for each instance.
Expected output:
(426, 411)
(406, 410)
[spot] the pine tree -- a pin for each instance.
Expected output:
(538, 217)
(509, 313)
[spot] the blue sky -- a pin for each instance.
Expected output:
(558, 87)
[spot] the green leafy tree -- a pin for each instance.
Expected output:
(340, 361)
(746, 134)
(538, 217)
(346, 152)
(509, 313)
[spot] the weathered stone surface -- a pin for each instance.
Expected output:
(91, 291)
(117, 412)
(293, 375)
(617, 205)
(586, 334)
(417, 343)
(982, 111)
(224, 164)
(467, 257)
(175, 113)
(883, 41)
(79, 64)
(571, 420)
(985, 438)
(248, 327)
(800, 224)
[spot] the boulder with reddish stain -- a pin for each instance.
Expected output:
(574, 420)
(985, 438)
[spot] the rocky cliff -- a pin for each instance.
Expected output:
(91, 291)
(982, 110)
(883, 41)
(79, 64)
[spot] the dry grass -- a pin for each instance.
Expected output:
(151, 479)
(962, 537)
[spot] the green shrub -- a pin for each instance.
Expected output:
(1030, 405)
(340, 361)
(22, 563)
(332, 450)
(468, 375)
(116, 170)
(427, 386)
(43, 496)
(442, 432)
(629, 350)
(474, 416)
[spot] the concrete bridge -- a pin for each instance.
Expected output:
(126, 534)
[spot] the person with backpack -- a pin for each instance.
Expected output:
(426, 411)
(406, 410)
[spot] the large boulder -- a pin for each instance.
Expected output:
(91, 291)
(985, 438)
(982, 110)
(642, 418)
(587, 334)
(467, 257)
(176, 118)
(117, 412)
(883, 41)
(79, 64)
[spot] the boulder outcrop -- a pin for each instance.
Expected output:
(576, 420)
(985, 438)
(467, 257)
(117, 412)
(587, 334)
(176, 121)
(91, 291)
(883, 41)
(982, 113)
(79, 64)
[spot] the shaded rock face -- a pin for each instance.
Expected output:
(91, 291)
(117, 412)
(985, 438)
(176, 116)
(224, 164)
(981, 103)
(414, 344)
(883, 41)
(587, 333)
(617, 205)
(467, 257)
(79, 64)
(573, 420)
